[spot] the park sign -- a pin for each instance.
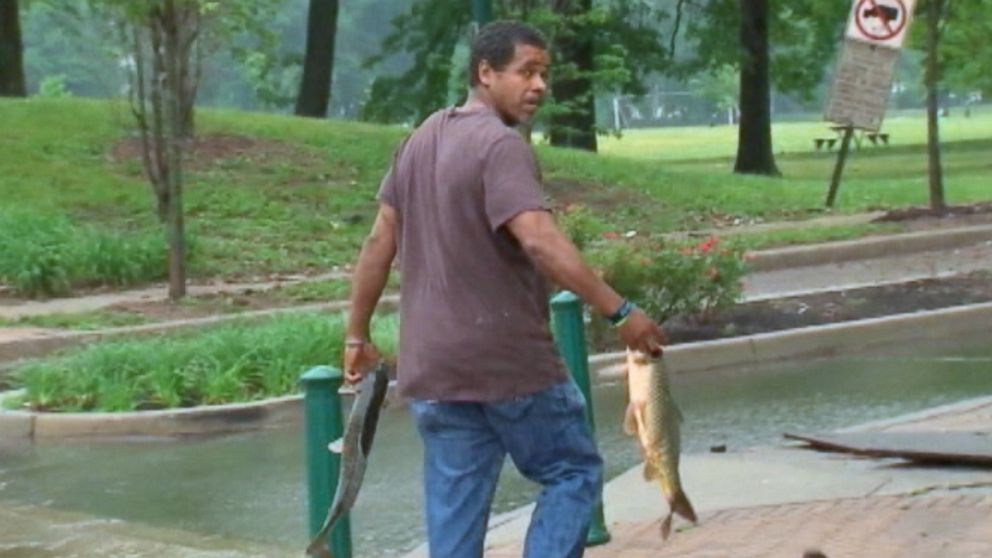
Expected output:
(862, 83)
(880, 22)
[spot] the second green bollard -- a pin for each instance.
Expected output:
(323, 425)
(570, 336)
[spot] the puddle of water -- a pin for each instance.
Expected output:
(251, 486)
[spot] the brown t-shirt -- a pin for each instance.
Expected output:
(473, 310)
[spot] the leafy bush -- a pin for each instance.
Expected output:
(54, 87)
(237, 362)
(49, 255)
(578, 223)
(688, 281)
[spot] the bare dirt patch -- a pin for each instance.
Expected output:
(206, 151)
(921, 217)
(596, 197)
(201, 306)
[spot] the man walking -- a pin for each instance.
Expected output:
(462, 208)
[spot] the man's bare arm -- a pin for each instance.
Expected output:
(559, 260)
(372, 272)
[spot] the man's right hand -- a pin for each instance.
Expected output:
(641, 333)
(358, 360)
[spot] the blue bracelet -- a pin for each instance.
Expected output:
(617, 318)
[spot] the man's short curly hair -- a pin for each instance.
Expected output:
(496, 43)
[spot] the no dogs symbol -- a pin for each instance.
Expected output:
(881, 20)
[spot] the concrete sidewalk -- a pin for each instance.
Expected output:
(779, 272)
(947, 526)
(779, 283)
(73, 305)
(779, 501)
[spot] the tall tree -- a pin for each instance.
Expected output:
(627, 45)
(777, 43)
(318, 64)
(935, 12)
(429, 33)
(965, 51)
(12, 83)
(573, 88)
(163, 34)
(754, 140)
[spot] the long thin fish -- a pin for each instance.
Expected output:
(357, 444)
(653, 417)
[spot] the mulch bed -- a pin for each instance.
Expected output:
(819, 309)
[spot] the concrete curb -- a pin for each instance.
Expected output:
(194, 421)
(212, 419)
(867, 248)
(815, 341)
(927, 414)
(41, 345)
(742, 352)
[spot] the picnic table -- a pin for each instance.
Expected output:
(859, 136)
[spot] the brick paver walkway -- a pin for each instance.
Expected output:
(954, 525)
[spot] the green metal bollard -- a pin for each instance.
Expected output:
(323, 425)
(571, 338)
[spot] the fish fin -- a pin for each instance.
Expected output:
(680, 504)
(337, 446)
(666, 526)
(318, 549)
(630, 420)
(650, 472)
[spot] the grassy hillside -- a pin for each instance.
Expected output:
(273, 194)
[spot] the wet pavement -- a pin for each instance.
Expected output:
(868, 273)
(37, 532)
(782, 501)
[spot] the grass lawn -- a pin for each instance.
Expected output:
(907, 128)
(271, 193)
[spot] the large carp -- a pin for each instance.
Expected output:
(653, 417)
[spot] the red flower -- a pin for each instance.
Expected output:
(708, 244)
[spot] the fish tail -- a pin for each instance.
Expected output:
(680, 504)
(318, 549)
(666, 526)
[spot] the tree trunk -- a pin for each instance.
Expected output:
(318, 66)
(12, 82)
(577, 126)
(175, 124)
(754, 139)
(934, 14)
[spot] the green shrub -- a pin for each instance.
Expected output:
(578, 223)
(687, 281)
(237, 362)
(54, 87)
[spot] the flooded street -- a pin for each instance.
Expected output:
(250, 487)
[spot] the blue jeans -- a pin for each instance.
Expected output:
(546, 436)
